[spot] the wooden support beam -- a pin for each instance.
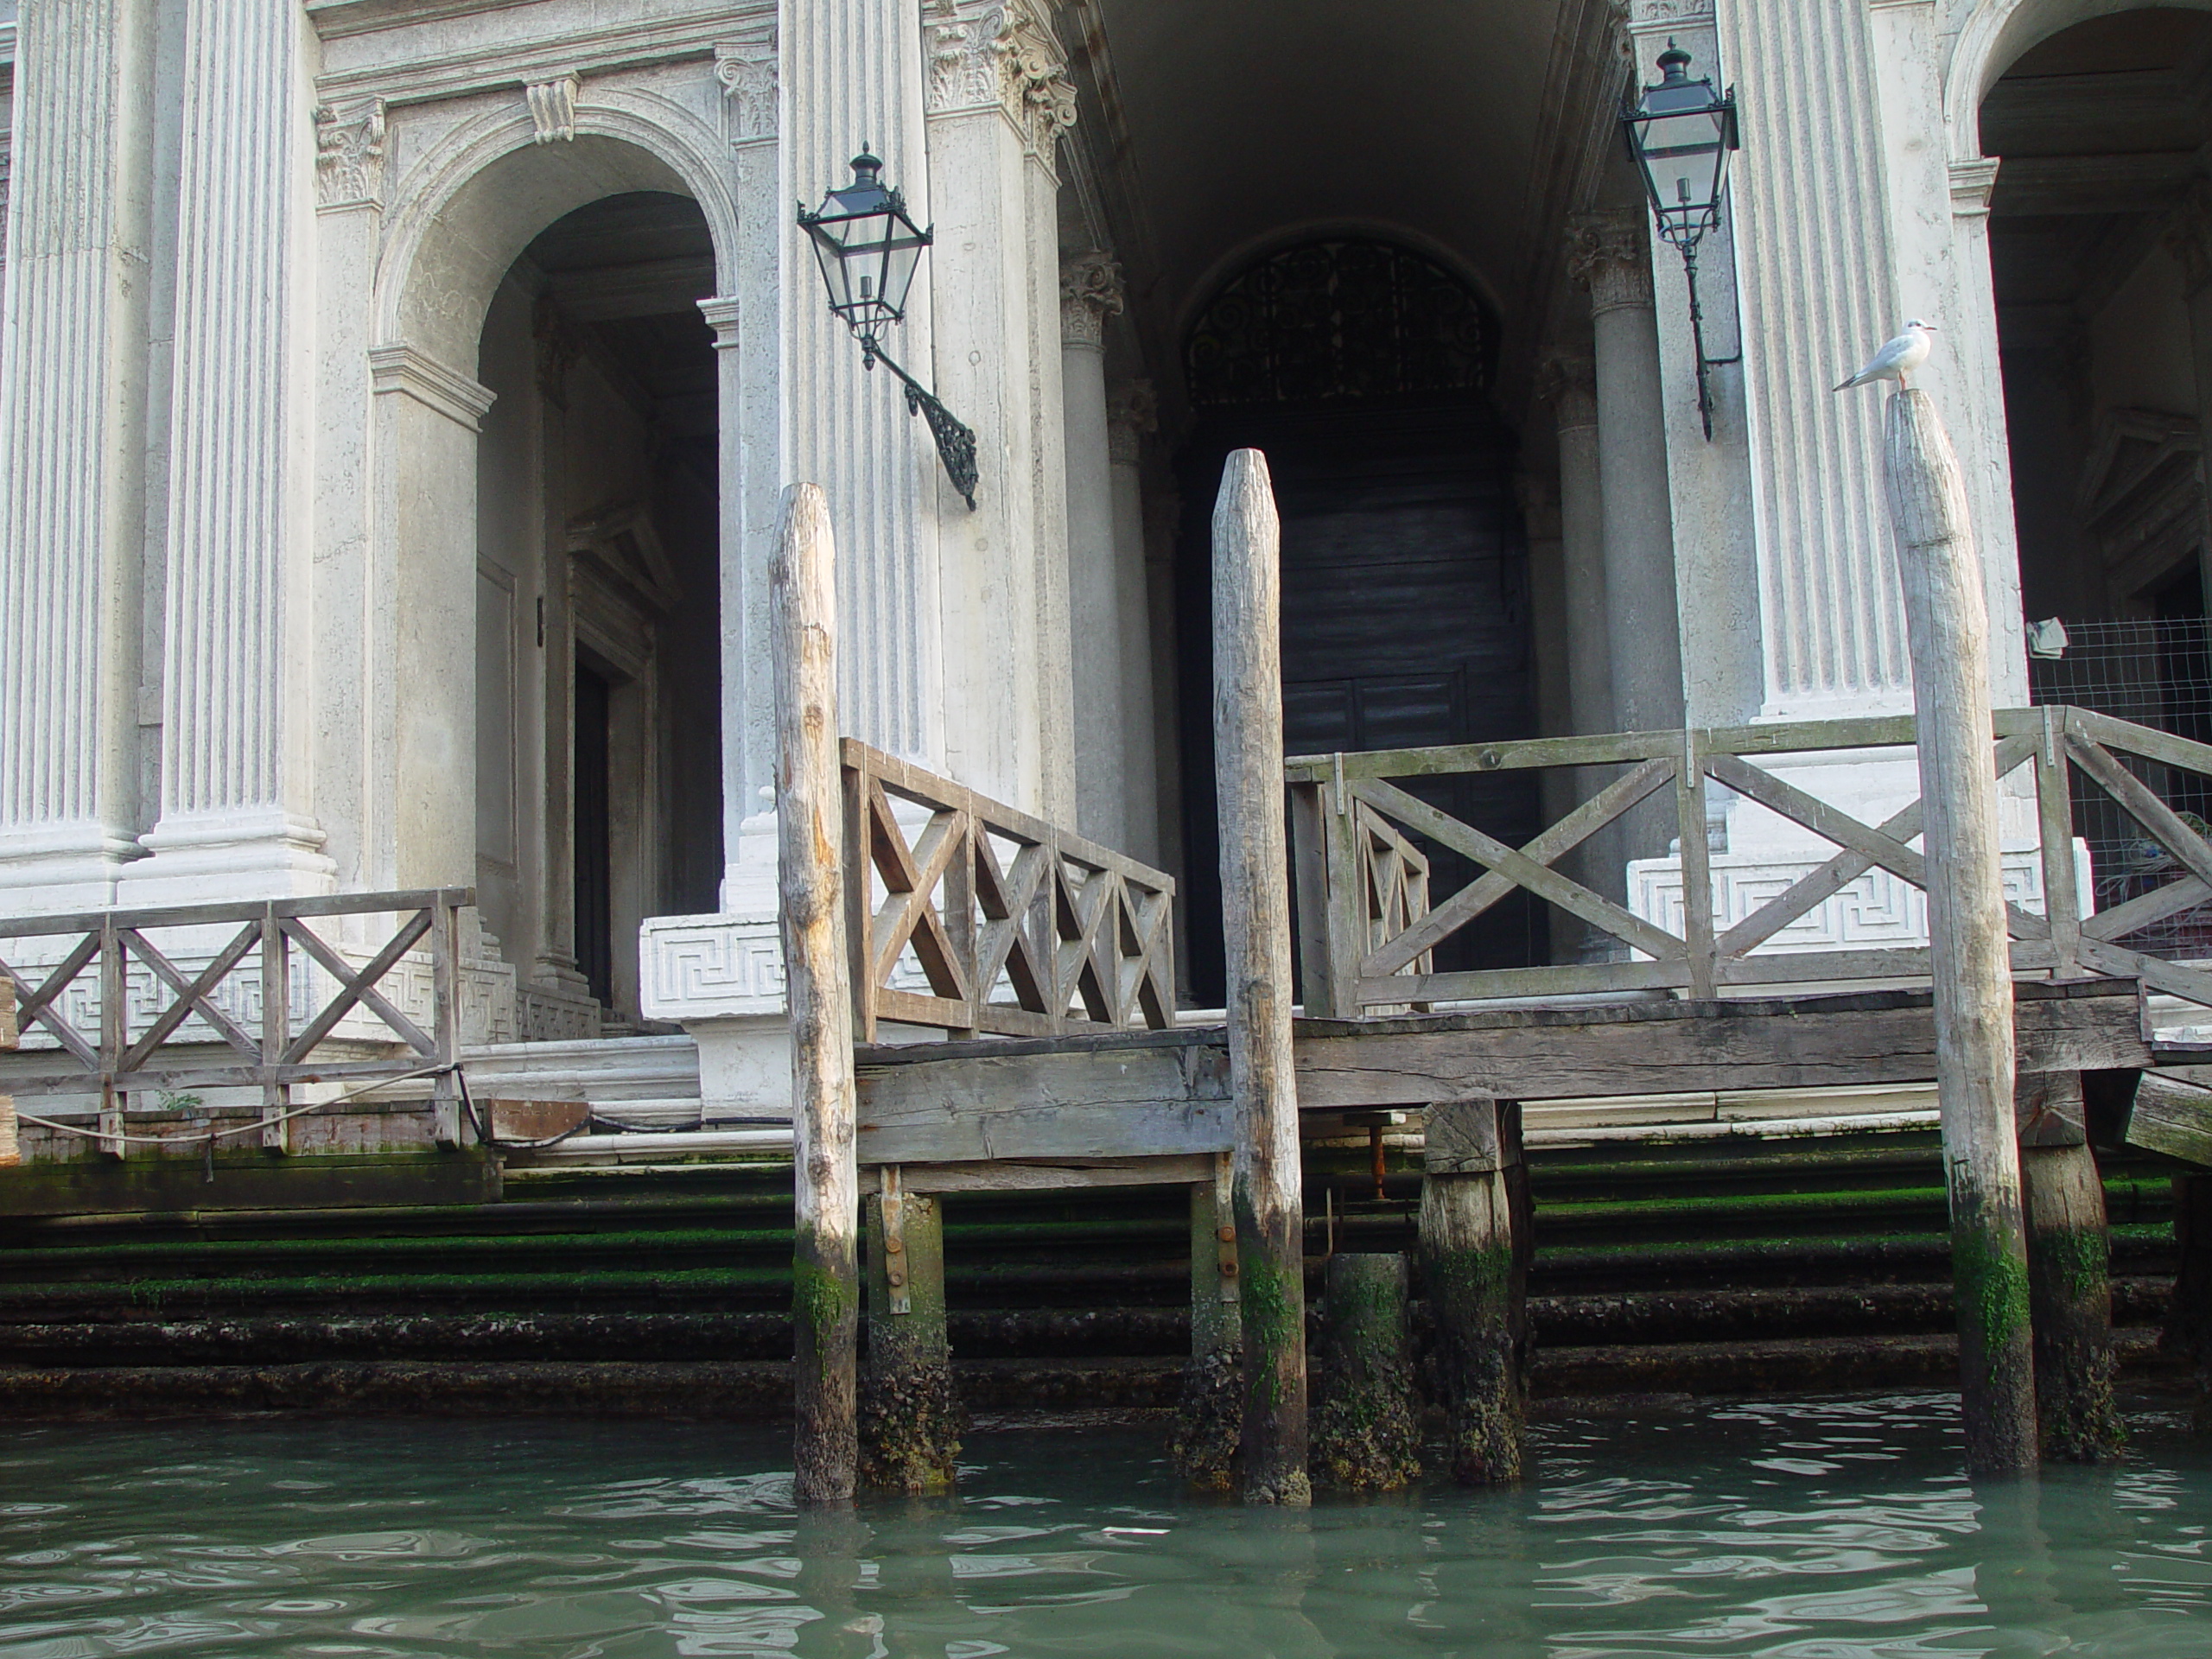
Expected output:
(11, 1154)
(1947, 628)
(1203, 1442)
(1473, 1266)
(910, 1415)
(1366, 1436)
(1255, 926)
(2069, 1282)
(825, 1268)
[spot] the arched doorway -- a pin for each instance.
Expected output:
(2101, 256)
(598, 689)
(1362, 369)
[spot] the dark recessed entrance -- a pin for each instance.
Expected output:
(1362, 370)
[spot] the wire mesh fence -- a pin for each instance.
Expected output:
(2156, 672)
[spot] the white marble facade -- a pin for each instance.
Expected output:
(284, 454)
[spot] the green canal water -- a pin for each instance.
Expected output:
(1835, 1529)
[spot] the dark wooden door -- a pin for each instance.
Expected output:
(1405, 623)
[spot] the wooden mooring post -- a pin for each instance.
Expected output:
(1255, 926)
(825, 1268)
(2070, 1274)
(1473, 1250)
(1203, 1443)
(1947, 627)
(910, 1415)
(1366, 1434)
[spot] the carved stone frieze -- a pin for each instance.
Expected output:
(1091, 292)
(349, 155)
(1668, 13)
(747, 74)
(1605, 254)
(1001, 52)
(553, 108)
(1132, 410)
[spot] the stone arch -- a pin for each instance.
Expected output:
(1253, 250)
(474, 202)
(461, 215)
(1993, 39)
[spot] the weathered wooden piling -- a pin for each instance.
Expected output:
(1471, 1265)
(911, 1418)
(1202, 1441)
(2069, 1283)
(1256, 926)
(1366, 1435)
(1947, 627)
(825, 1275)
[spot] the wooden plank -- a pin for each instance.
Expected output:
(348, 904)
(2140, 740)
(1104, 1103)
(2146, 909)
(2155, 815)
(2172, 1116)
(7, 1013)
(1066, 1174)
(1695, 854)
(2061, 897)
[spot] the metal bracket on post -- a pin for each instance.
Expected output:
(894, 1241)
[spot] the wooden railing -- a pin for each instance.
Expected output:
(1368, 929)
(240, 954)
(1016, 928)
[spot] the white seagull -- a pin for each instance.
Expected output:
(1897, 359)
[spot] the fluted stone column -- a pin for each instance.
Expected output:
(1131, 413)
(236, 704)
(1091, 292)
(1817, 278)
(1642, 627)
(71, 452)
(998, 99)
(850, 72)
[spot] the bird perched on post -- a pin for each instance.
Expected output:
(1897, 359)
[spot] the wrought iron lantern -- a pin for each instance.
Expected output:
(1680, 134)
(869, 248)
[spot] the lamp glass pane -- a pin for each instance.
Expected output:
(1683, 155)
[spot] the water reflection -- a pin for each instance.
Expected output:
(1837, 1529)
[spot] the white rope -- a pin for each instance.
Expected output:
(199, 1136)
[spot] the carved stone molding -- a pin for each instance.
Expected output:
(1091, 292)
(400, 368)
(1568, 382)
(553, 108)
(1668, 13)
(1971, 184)
(1132, 410)
(349, 156)
(747, 74)
(1001, 52)
(1605, 254)
(7, 168)
(721, 316)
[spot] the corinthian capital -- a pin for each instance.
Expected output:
(1001, 52)
(1605, 254)
(1091, 292)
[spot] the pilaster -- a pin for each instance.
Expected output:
(850, 72)
(71, 452)
(1818, 292)
(1569, 383)
(1091, 292)
(237, 817)
(997, 100)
